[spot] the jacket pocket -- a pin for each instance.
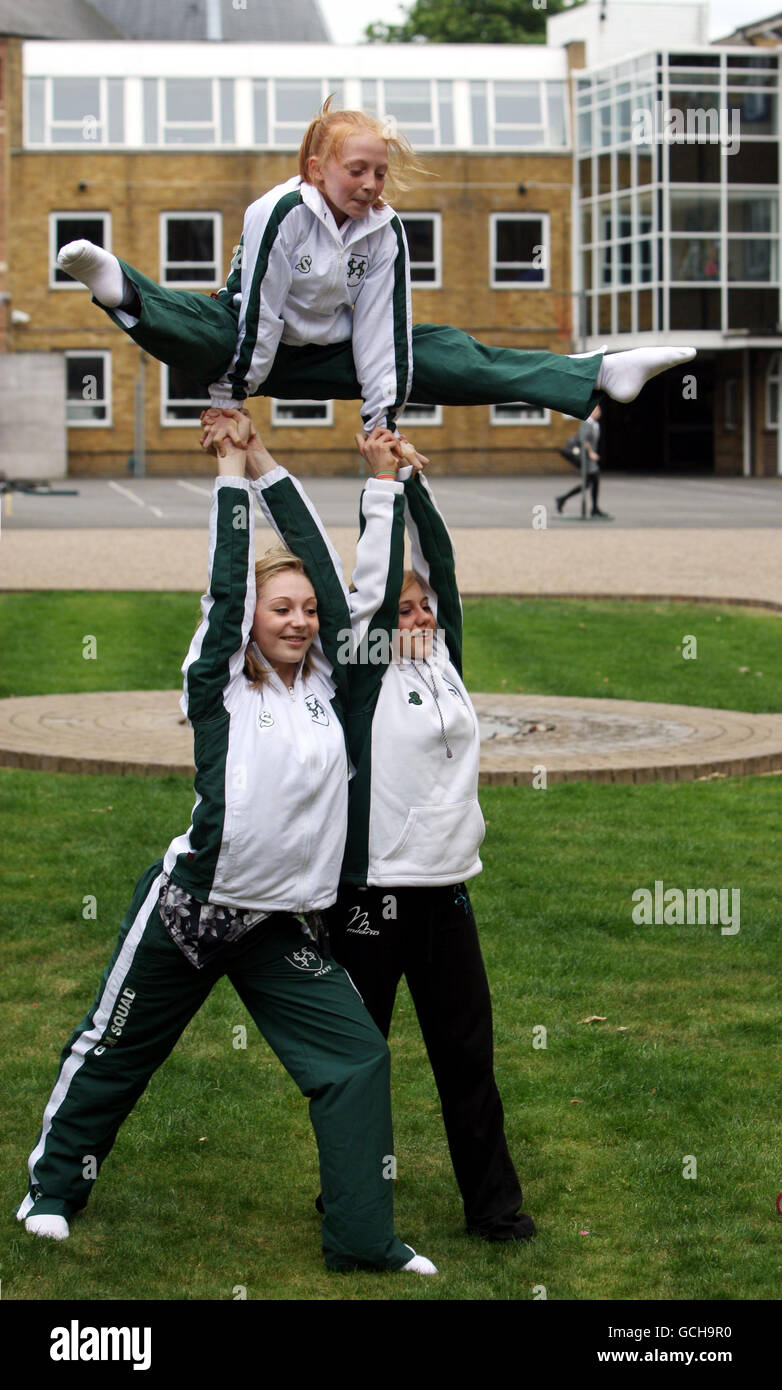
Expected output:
(437, 841)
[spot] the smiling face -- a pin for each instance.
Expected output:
(352, 180)
(286, 622)
(416, 622)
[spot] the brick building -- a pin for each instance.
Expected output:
(162, 140)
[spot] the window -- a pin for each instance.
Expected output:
(518, 113)
(424, 238)
(302, 413)
(75, 110)
(188, 111)
(191, 250)
(421, 414)
(519, 250)
(519, 413)
(772, 392)
(181, 398)
(88, 389)
(423, 108)
(283, 108)
(75, 226)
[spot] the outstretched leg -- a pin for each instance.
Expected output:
(197, 334)
(312, 1016)
(146, 998)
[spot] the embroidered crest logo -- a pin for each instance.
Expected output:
(317, 712)
(265, 719)
(414, 698)
(304, 265)
(357, 269)
(305, 959)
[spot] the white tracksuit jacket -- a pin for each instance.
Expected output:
(299, 279)
(269, 822)
(414, 816)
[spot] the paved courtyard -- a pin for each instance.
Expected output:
(679, 538)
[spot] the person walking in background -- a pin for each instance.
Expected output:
(589, 445)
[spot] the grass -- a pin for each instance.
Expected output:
(631, 651)
(211, 1183)
(210, 1186)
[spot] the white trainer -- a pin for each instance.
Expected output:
(55, 1227)
(420, 1265)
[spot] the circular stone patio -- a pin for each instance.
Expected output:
(143, 732)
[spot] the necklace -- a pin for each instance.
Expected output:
(433, 688)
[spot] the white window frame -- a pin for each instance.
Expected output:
(773, 376)
(73, 353)
(431, 421)
(297, 128)
(292, 424)
(78, 214)
(179, 216)
(436, 219)
(524, 421)
(543, 126)
(382, 105)
(163, 123)
(166, 401)
(50, 124)
(544, 219)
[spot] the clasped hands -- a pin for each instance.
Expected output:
(228, 432)
(386, 452)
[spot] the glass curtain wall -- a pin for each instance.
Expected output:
(677, 159)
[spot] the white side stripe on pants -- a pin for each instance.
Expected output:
(93, 1035)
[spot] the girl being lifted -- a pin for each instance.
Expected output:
(317, 305)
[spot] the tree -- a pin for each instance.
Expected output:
(471, 21)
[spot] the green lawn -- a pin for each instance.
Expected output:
(212, 1180)
(535, 646)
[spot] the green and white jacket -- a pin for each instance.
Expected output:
(299, 279)
(414, 817)
(270, 816)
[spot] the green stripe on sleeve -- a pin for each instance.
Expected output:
(438, 552)
(283, 207)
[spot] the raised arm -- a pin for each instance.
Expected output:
(432, 557)
(292, 515)
(216, 654)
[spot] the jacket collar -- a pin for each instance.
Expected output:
(354, 228)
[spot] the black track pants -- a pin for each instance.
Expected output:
(433, 941)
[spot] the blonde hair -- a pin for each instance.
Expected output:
(327, 133)
(275, 561)
(413, 577)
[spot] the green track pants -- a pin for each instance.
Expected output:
(197, 334)
(311, 1015)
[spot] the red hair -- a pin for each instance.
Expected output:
(326, 135)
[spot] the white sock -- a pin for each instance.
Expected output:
(622, 374)
(97, 269)
(419, 1264)
(55, 1227)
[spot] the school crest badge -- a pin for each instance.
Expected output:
(357, 269)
